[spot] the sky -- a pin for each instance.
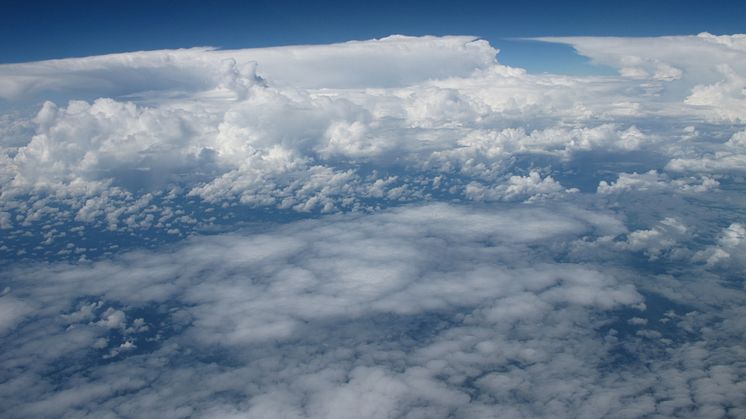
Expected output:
(36, 30)
(429, 210)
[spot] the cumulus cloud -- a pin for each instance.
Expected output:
(727, 157)
(654, 181)
(529, 187)
(405, 312)
(728, 249)
(664, 236)
(309, 279)
(253, 131)
(401, 227)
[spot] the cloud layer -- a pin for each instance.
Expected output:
(426, 310)
(400, 227)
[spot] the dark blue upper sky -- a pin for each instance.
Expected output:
(34, 30)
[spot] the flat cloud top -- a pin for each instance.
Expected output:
(387, 62)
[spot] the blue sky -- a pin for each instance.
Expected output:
(35, 30)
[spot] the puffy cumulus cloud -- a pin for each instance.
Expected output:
(724, 158)
(653, 181)
(321, 293)
(265, 145)
(424, 311)
(664, 236)
(85, 145)
(399, 227)
(322, 128)
(529, 187)
(726, 97)
(491, 145)
(410, 118)
(729, 248)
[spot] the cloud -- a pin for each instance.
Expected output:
(728, 248)
(428, 310)
(392, 61)
(304, 280)
(400, 227)
(273, 138)
(727, 158)
(664, 236)
(653, 181)
(529, 187)
(12, 311)
(703, 70)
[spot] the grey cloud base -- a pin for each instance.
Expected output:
(394, 228)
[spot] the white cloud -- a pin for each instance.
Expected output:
(427, 311)
(240, 290)
(654, 181)
(391, 61)
(728, 157)
(729, 248)
(294, 141)
(664, 236)
(704, 70)
(531, 187)
(570, 245)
